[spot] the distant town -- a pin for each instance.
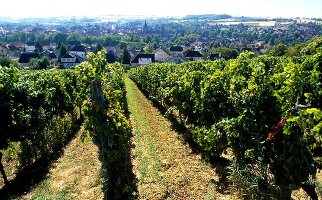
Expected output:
(134, 41)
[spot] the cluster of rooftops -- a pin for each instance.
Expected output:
(77, 54)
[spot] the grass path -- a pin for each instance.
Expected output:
(164, 165)
(76, 175)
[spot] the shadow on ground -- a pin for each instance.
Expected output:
(30, 176)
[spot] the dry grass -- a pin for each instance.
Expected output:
(76, 175)
(300, 193)
(165, 166)
(10, 162)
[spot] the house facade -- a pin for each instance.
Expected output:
(26, 57)
(68, 61)
(143, 59)
(161, 54)
(47, 45)
(79, 50)
(193, 55)
(30, 47)
(215, 56)
(177, 59)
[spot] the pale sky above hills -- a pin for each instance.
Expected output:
(257, 8)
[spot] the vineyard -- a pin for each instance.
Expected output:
(265, 110)
(40, 111)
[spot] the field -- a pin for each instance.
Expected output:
(252, 23)
(268, 23)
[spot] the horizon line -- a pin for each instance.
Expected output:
(148, 16)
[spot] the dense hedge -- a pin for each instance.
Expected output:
(267, 109)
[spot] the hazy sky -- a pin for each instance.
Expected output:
(264, 8)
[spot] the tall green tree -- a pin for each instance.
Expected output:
(31, 37)
(226, 53)
(149, 48)
(74, 37)
(63, 51)
(126, 57)
(278, 50)
(88, 40)
(38, 48)
(98, 48)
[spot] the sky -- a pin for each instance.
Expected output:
(254, 8)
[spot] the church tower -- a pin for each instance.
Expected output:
(145, 28)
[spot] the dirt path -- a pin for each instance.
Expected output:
(76, 175)
(165, 166)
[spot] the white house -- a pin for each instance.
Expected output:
(30, 47)
(51, 56)
(193, 55)
(177, 59)
(46, 45)
(69, 61)
(143, 59)
(79, 50)
(161, 54)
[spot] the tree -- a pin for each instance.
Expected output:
(295, 50)
(187, 39)
(147, 39)
(226, 53)
(41, 37)
(38, 48)
(59, 46)
(58, 37)
(39, 63)
(149, 48)
(7, 62)
(278, 50)
(111, 40)
(31, 37)
(88, 40)
(126, 57)
(123, 44)
(63, 51)
(313, 46)
(98, 48)
(74, 37)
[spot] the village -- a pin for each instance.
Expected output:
(78, 52)
(142, 42)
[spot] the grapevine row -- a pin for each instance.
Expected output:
(39, 110)
(266, 109)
